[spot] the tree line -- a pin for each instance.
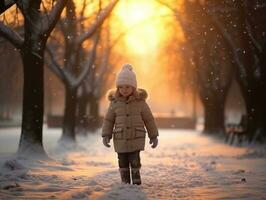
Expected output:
(225, 41)
(39, 20)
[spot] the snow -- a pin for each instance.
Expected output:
(185, 165)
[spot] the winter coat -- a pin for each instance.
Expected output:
(125, 121)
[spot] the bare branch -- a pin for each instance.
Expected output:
(23, 6)
(84, 5)
(176, 14)
(91, 60)
(136, 25)
(166, 5)
(249, 29)
(229, 40)
(82, 19)
(99, 21)
(11, 36)
(63, 27)
(256, 44)
(55, 67)
(45, 11)
(54, 16)
(4, 5)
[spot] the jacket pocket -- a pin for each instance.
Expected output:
(118, 133)
(140, 132)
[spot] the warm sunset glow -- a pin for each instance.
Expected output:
(145, 30)
(143, 21)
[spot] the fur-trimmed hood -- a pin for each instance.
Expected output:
(126, 119)
(139, 94)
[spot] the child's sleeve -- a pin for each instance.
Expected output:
(149, 121)
(108, 122)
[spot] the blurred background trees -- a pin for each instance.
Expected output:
(225, 42)
(80, 40)
(195, 52)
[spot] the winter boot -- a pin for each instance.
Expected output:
(135, 174)
(125, 175)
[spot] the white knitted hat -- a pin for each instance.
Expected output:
(126, 76)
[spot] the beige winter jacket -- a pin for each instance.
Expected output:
(125, 121)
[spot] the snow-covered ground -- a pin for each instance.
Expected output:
(186, 165)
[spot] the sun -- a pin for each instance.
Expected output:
(135, 12)
(142, 21)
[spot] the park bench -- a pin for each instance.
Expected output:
(236, 131)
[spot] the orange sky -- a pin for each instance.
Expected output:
(148, 32)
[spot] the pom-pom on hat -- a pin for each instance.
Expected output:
(126, 76)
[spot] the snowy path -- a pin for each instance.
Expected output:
(186, 165)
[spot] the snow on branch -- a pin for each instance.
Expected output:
(5, 4)
(55, 67)
(54, 16)
(11, 36)
(99, 21)
(63, 74)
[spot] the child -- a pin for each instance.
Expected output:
(127, 114)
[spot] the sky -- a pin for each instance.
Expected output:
(149, 27)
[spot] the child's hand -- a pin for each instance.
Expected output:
(154, 142)
(106, 141)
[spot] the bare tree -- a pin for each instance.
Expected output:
(245, 36)
(31, 45)
(240, 27)
(95, 84)
(75, 69)
(208, 61)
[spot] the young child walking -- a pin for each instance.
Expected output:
(124, 121)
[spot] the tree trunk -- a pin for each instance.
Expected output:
(256, 112)
(253, 90)
(93, 114)
(214, 114)
(32, 115)
(69, 119)
(82, 114)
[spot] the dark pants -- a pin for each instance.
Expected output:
(130, 159)
(127, 161)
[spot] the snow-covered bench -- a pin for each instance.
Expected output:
(236, 131)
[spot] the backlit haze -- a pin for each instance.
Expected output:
(143, 28)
